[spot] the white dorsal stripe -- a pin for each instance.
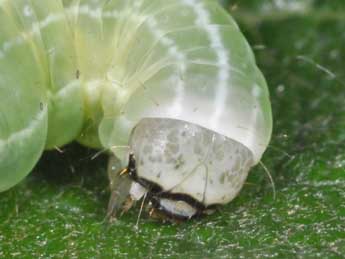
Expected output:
(222, 54)
(24, 36)
(26, 132)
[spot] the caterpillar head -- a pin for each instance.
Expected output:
(184, 170)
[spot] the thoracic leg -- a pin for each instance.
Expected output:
(119, 186)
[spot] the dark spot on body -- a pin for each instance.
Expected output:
(222, 178)
(77, 74)
(179, 162)
(177, 166)
(172, 136)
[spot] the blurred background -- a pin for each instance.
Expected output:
(59, 210)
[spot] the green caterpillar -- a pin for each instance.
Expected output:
(95, 70)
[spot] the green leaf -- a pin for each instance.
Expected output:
(59, 210)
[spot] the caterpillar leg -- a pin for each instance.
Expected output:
(120, 184)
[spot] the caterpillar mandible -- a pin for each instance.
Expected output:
(175, 80)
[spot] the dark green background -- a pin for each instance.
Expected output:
(58, 211)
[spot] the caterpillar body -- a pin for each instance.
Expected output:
(173, 79)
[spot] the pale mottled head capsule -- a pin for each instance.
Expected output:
(187, 169)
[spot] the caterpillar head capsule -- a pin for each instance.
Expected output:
(182, 169)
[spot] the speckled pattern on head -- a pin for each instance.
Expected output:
(185, 158)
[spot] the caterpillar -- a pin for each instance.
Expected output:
(174, 80)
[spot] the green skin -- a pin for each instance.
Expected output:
(64, 65)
